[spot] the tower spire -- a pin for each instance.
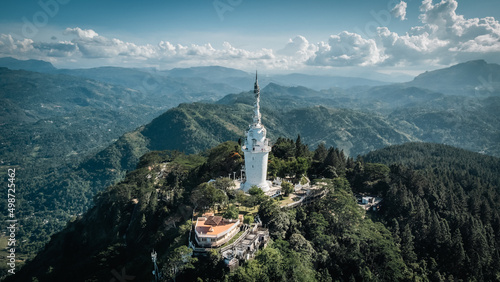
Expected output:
(256, 91)
(256, 148)
(256, 88)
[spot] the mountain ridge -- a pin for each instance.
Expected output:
(470, 78)
(30, 65)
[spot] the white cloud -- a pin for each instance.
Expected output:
(443, 38)
(81, 33)
(347, 49)
(399, 11)
(8, 45)
(92, 45)
(298, 47)
(295, 53)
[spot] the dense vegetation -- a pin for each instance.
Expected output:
(438, 220)
(150, 209)
(442, 206)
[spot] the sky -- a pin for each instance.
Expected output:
(379, 39)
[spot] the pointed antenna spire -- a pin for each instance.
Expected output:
(256, 91)
(256, 88)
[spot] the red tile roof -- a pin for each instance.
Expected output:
(213, 220)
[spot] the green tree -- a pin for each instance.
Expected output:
(248, 219)
(276, 167)
(207, 196)
(284, 148)
(320, 153)
(257, 196)
(231, 212)
(179, 260)
(407, 245)
(267, 209)
(286, 187)
(301, 245)
(224, 183)
(301, 150)
(300, 166)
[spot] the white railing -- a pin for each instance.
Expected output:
(242, 236)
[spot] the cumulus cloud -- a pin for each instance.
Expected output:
(60, 49)
(298, 47)
(399, 11)
(347, 49)
(81, 33)
(443, 37)
(9, 45)
(92, 45)
(297, 51)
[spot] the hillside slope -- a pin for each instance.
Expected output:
(81, 114)
(471, 78)
(443, 205)
(439, 219)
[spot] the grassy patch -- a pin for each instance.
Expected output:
(286, 200)
(232, 239)
(190, 161)
(245, 210)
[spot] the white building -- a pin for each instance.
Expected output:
(214, 231)
(256, 149)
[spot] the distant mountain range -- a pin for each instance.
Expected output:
(473, 78)
(48, 119)
(223, 77)
(29, 65)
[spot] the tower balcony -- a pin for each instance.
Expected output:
(257, 146)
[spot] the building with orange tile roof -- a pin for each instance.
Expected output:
(214, 231)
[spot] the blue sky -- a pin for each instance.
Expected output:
(357, 37)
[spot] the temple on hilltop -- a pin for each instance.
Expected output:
(256, 149)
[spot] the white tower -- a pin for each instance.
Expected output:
(256, 149)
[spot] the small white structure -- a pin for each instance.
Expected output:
(367, 200)
(256, 149)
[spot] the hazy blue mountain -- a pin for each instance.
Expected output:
(53, 118)
(225, 80)
(30, 65)
(319, 82)
(172, 90)
(215, 73)
(281, 98)
(390, 97)
(473, 78)
(240, 79)
(473, 124)
(382, 99)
